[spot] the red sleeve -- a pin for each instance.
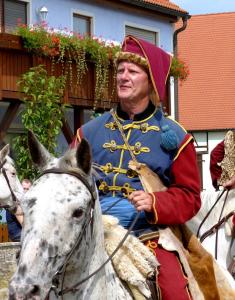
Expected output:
(182, 199)
(216, 156)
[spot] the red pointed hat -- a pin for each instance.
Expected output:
(156, 60)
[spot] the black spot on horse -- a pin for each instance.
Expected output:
(52, 250)
(32, 202)
(43, 245)
(22, 270)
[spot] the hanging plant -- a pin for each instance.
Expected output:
(179, 69)
(66, 47)
(43, 113)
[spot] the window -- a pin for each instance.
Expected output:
(148, 35)
(81, 24)
(11, 12)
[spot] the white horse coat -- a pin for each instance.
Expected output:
(56, 210)
(7, 164)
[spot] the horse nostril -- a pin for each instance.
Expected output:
(35, 290)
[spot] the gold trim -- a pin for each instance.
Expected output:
(137, 149)
(130, 57)
(109, 168)
(182, 147)
(120, 161)
(143, 127)
(125, 189)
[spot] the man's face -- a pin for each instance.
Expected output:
(132, 82)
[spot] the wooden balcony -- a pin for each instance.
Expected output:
(15, 60)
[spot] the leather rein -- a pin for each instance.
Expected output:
(215, 228)
(12, 209)
(61, 272)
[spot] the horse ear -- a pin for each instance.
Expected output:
(83, 156)
(4, 152)
(39, 154)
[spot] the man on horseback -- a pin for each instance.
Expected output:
(216, 157)
(137, 130)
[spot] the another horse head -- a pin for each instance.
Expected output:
(56, 210)
(8, 180)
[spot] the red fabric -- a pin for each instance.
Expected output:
(171, 279)
(233, 220)
(159, 61)
(182, 199)
(216, 156)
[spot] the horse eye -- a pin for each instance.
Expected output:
(77, 213)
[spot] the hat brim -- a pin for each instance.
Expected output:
(131, 57)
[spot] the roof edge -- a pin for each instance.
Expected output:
(158, 8)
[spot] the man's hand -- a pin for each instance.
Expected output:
(230, 184)
(19, 214)
(141, 200)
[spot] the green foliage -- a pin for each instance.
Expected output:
(43, 113)
(179, 69)
(64, 47)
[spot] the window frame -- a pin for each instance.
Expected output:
(84, 14)
(2, 17)
(143, 27)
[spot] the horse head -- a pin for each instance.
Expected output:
(10, 186)
(56, 209)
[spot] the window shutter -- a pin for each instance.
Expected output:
(13, 11)
(144, 34)
(82, 24)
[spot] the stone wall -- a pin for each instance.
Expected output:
(7, 265)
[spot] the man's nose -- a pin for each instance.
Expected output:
(124, 75)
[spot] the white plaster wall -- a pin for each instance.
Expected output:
(213, 139)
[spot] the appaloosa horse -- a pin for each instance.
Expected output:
(217, 229)
(62, 237)
(10, 186)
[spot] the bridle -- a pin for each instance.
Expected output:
(12, 209)
(215, 228)
(58, 278)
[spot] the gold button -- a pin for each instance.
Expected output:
(143, 127)
(131, 173)
(124, 190)
(105, 189)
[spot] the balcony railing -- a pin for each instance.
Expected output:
(15, 60)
